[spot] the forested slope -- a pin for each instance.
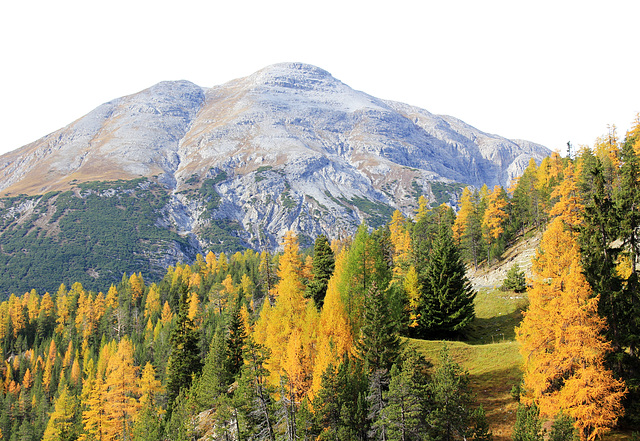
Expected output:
(301, 345)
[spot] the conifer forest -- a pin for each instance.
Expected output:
(325, 343)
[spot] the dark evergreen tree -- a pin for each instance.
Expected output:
(340, 405)
(379, 343)
(524, 205)
(215, 378)
(185, 360)
(308, 429)
(323, 266)
(563, 429)
(600, 250)
(481, 430)
(425, 232)
(450, 417)
(254, 393)
(515, 279)
(180, 424)
(528, 426)
(446, 303)
(236, 336)
(408, 399)
(377, 403)
(627, 200)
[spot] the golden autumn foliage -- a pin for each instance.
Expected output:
(334, 336)
(495, 214)
(401, 241)
(121, 391)
(569, 207)
(280, 327)
(466, 210)
(562, 345)
(61, 422)
(152, 305)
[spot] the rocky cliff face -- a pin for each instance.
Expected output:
(289, 147)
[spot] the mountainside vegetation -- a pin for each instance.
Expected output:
(91, 235)
(377, 336)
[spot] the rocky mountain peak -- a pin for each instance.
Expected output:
(288, 147)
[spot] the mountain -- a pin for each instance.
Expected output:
(181, 169)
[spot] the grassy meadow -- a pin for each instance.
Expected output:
(490, 354)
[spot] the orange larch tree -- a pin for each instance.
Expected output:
(494, 216)
(561, 340)
(121, 391)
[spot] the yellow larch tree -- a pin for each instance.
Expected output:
(229, 293)
(167, 315)
(278, 324)
(423, 208)
(194, 307)
(247, 286)
(462, 219)
(307, 268)
(66, 359)
(32, 302)
(561, 341)
(112, 298)
(212, 263)
(149, 386)
(494, 215)
(19, 315)
(136, 283)
(99, 307)
(413, 291)
(61, 425)
(121, 391)
(27, 379)
(46, 374)
(334, 335)
(401, 241)
(86, 316)
(223, 263)
(75, 371)
(93, 400)
(569, 207)
(300, 353)
(152, 306)
(195, 281)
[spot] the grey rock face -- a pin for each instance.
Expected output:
(289, 147)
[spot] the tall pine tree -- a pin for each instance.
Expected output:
(446, 303)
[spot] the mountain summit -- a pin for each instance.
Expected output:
(288, 147)
(288, 112)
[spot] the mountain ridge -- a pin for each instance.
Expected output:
(237, 165)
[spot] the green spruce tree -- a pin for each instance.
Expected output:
(323, 266)
(450, 418)
(446, 303)
(184, 360)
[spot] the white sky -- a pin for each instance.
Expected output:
(546, 71)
